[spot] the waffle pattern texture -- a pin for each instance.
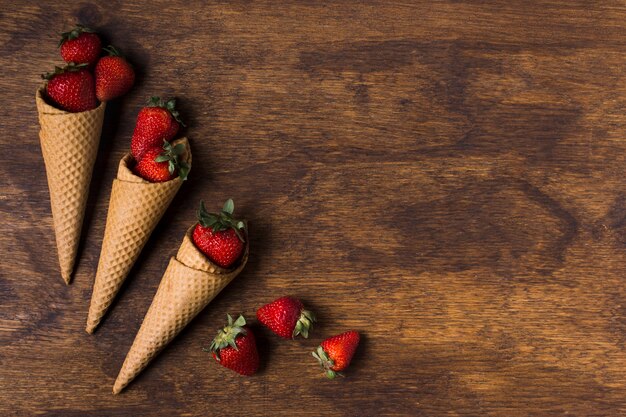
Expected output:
(135, 208)
(69, 144)
(189, 284)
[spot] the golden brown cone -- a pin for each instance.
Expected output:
(69, 144)
(188, 285)
(135, 208)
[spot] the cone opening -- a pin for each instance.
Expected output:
(190, 255)
(48, 107)
(127, 163)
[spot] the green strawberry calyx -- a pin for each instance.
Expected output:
(74, 33)
(223, 220)
(226, 336)
(71, 67)
(171, 155)
(169, 105)
(326, 362)
(112, 51)
(304, 324)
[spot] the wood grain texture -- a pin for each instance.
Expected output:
(448, 177)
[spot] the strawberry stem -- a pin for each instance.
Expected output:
(112, 50)
(226, 336)
(171, 155)
(304, 324)
(326, 362)
(223, 220)
(74, 33)
(71, 67)
(169, 105)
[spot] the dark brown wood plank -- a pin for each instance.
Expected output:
(446, 177)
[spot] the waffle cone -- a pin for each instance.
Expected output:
(189, 284)
(135, 208)
(69, 144)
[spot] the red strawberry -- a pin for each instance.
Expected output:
(286, 317)
(235, 347)
(219, 236)
(80, 46)
(157, 122)
(114, 75)
(72, 88)
(335, 353)
(162, 164)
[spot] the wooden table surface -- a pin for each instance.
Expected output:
(446, 177)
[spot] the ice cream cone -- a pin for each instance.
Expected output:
(69, 144)
(135, 208)
(189, 284)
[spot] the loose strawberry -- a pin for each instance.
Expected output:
(235, 347)
(286, 317)
(335, 353)
(114, 75)
(157, 122)
(72, 88)
(219, 236)
(80, 46)
(163, 164)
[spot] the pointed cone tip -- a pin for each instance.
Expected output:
(119, 384)
(91, 327)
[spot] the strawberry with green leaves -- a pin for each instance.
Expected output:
(156, 123)
(234, 347)
(80, 46)
(286, 317)
(114, 75)
(335, 353)
(71, 88)
(220, 236)
(163, 164)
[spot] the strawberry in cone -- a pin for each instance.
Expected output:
(114, 75)
(80, 46)
(141, 193)
(156, 123)
(71, 117)
(71, 122)
(192, 279)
